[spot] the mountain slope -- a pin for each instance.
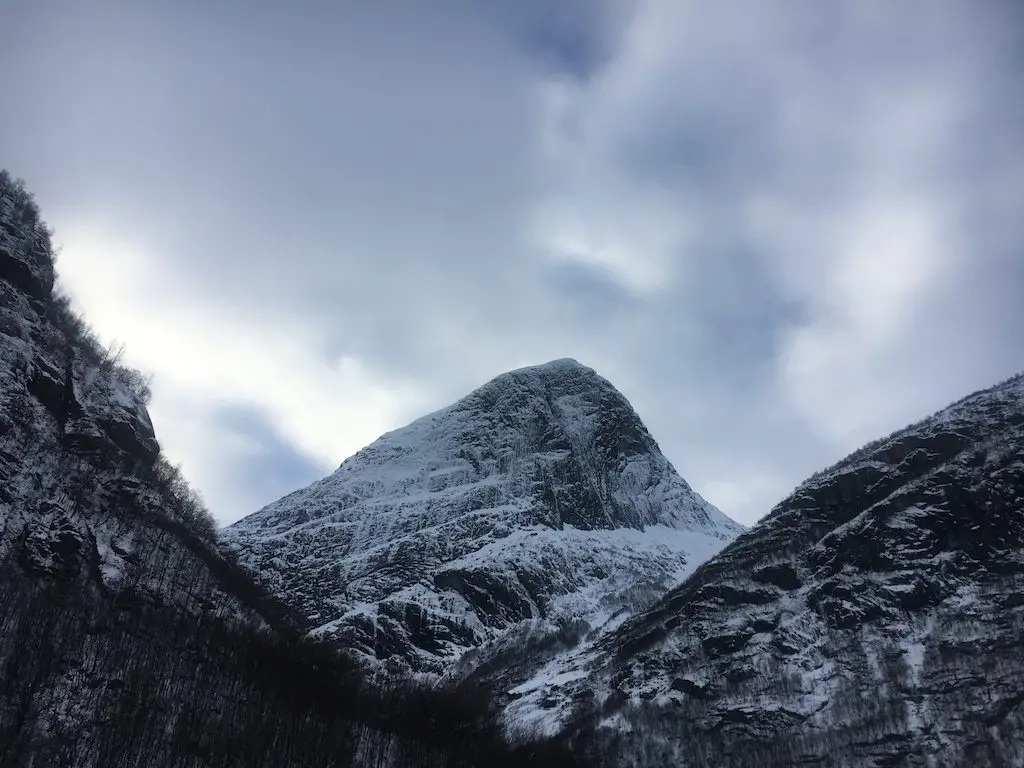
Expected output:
(875, 617)
(538, 498)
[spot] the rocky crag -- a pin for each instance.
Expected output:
(875, 617)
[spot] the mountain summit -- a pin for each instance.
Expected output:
(539, 499)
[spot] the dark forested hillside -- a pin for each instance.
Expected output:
(126, 638)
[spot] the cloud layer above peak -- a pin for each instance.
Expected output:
(780, 228)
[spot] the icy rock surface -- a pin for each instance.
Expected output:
(538, 498)
(874, 617)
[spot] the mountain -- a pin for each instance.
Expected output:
(537, 507)
(126, 637)
(873, 618)
(529, 546)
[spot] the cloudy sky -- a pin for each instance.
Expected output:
(781, 228)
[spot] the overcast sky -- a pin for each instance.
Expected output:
(781, 227)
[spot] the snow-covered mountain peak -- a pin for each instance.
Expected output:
(536, 433)
(443, 534)
(565, 373)
(561, 365)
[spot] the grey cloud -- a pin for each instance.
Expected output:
(589, 295)
(379, 171)
(819, 112)
(267, 474)
(382, 168)
(573, 38)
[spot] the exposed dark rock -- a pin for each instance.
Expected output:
(733, 596)
(781, 575)
(496, 601)
(689, 687)
(720, 645)
(35, 280)
(786, 644)
(1013, 600)
(11, 325)
(53, 545)
(48, 385)
(849, 606)
(131, 434)
(615, 701)
(765, 623)
(83, 437)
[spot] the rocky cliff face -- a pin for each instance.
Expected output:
(83, 496)
(539, 499)
(875, 617)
